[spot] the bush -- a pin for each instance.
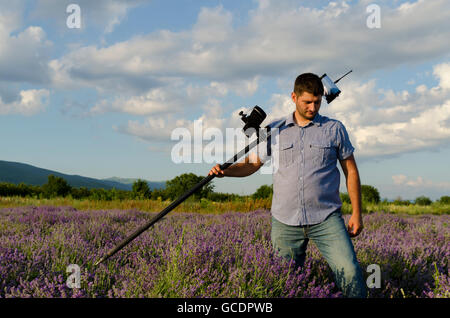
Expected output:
(21, 190)
(100, 195)
(445, 199)
(56, 187)
(423, 200)
(345, 198)
(223, 197)
(204, 203)
(80, 193)
(180, 184)
(370, 194)
(400, 201)
(159, 194)
(263, 192)
(141, 189)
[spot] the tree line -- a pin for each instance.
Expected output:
(58, 187)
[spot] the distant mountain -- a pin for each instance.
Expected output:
(16, 172)
(129, 181)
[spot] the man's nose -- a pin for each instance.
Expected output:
(312, 107)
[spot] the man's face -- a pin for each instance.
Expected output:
(307, 104)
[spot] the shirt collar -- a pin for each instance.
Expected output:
(317, 120)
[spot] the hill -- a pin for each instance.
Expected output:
(129, 181)
(16, 172)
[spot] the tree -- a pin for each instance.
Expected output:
(140, 189)
(56, 187)
(180, 184)
(445, 199)
(224, 197)
(423, 200)
(263, 192)
(80, 193)
(400, 201)
(100, 194)
(159, 193)
(345, 197)
(370, 194)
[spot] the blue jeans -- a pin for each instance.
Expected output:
(334, 243)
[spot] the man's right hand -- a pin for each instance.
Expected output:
(217, 171)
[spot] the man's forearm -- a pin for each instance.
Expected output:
(248, 166)
(354, 190)
(240, 169)
(355, 223)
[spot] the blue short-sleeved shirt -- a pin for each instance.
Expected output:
(305, 174)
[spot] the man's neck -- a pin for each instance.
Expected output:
(300, 121)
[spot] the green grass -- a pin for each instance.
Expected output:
(413, 209)
(203, 206)
(207, 206)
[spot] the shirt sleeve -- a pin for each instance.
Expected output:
(346, 148)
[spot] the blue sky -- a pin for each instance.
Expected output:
(102, 100)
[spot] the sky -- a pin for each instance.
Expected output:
(103, 98)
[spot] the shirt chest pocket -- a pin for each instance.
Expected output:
(287, 156)
(322, 153)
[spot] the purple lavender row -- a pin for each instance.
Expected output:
(192, 255)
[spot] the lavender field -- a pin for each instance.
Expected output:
(191, 255)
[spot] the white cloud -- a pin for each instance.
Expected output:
(174, 97)
(138, 75)
(419, 182)
(30, 102)
(273, 43)
(23, 56)
(209, 130)
(213, 26)
(243, 88)
(154, 74)
(106, 14)
(442, 71)
(155, 101)
(23, 59)
(10, 16)
(385, 122)
(381, 123)
(160, 128)
(409, 187)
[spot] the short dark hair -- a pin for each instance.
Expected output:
(308, 82)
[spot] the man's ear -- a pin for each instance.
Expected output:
(294, 97)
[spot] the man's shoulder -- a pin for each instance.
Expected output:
(277, 121)
(331, 123)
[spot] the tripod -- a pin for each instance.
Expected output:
(252, 125)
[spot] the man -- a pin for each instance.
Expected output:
(306, 204)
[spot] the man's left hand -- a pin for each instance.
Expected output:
(355, 225)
